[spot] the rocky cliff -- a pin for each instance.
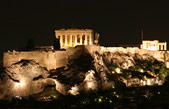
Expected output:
(90, 71)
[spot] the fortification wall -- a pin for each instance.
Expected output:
(55, 59)
(48, 59)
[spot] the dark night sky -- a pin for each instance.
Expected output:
(117, 22)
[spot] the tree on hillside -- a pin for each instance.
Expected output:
(56, 44)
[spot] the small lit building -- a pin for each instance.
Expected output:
(153, 45)
(74, 37)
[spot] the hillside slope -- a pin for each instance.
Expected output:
(88, 72)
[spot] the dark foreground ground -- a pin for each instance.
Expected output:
(140, 97)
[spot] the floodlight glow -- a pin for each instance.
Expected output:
(74, 90)
(89, 84)
(118, 70)
(20, 84)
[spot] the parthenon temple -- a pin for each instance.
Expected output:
(74, 37)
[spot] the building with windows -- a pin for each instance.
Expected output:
(153, 45)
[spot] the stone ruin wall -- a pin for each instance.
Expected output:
(56, 59)
(49, 59)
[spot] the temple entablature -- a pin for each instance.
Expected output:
(74, 37)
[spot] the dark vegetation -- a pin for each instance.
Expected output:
(117, 97)
(75, 72)
(151, 69)
(56, 44)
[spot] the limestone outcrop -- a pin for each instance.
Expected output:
(92, 70)
(23, 79)
(124, 60)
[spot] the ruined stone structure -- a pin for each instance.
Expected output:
(85, 41)
(28, 72)
(153, 45)
(55, 59)
(74, 37)
(48, 59)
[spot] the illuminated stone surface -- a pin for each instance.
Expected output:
(87, 70)
(56, 59)
(153, 45)
(23, 79)
(74, 37)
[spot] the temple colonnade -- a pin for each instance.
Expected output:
(72, 38)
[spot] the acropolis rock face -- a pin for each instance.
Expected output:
(23, 79)
(78, 69)
(55, 59)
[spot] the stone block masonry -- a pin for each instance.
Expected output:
(48, 59)
(55, 59)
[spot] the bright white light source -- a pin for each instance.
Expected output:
(100, 100)
(20, 84)
(152, 48)
(89, 84)
(17, 83)
(113, 72)
(90, 80)
(141, 70)
(74, 90)
(118, 70)
(148, 82)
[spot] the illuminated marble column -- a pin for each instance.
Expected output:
(157, 46)
(165, 47)
(90, 40)
(65, 40)
(85, 39)
(61, 41)
(81, 39)
(70, 41)
(57, 36)
(162, 47)
(75, 40)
